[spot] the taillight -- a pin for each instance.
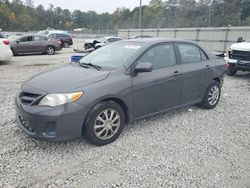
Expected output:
(6, 42)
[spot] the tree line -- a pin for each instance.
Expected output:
(19, 15)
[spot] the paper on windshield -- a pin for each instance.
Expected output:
(134, 47)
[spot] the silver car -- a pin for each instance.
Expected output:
(30, 44)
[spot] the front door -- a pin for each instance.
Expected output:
(160, 89)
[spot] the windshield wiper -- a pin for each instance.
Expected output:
(86, 65)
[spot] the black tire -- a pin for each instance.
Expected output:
(91, 119)
(98, 47)
(206, 104)
(66, 45)
(14, 53)
(231, 70)
(50, 50)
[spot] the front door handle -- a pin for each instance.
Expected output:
(207, 66)
(176, 73)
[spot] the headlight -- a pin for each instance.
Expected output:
(59, 99)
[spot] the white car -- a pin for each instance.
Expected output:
(238, 57)
(6, 53)
(98, 43)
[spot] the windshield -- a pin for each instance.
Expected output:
(113, 55)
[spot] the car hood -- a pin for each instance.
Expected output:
(65, 79)
(243, 46)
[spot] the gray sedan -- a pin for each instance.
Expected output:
(31, 44)
(115, 85)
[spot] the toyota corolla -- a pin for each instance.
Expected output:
(115, 85)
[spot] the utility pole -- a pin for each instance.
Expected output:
(140, 15)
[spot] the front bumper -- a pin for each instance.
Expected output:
(51, 124)
(240, 64)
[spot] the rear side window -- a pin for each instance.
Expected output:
(23, 39)
(203, 56)
(160, 56)
(36, 38)
(190, 53)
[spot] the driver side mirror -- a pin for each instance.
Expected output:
(143, 67)
(17, 41)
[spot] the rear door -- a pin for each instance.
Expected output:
(160, 89)
(37, 44)
(196, 68)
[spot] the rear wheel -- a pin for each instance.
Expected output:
(231, 70)
(50, 50)
(104, 123)
(212, 96)
(66, 45)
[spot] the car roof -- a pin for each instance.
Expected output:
(158, 40)
(33, 35)
(112, 37)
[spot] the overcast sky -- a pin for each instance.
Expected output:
(96, 5)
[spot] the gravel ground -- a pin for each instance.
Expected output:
(188, 147)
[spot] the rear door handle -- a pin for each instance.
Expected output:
(176, 73)
(207, 66)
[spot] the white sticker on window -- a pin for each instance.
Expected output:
(135, 47)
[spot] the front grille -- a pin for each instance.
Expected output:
(28, 98)
(239, 55)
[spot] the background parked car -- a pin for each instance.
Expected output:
(66, 40)
(97, 43)
(238, 57)
(5, 52)
(30, 44)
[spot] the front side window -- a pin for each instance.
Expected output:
(160, 56)
(189, 53)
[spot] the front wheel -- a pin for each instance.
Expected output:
(104, 123)
(212, 96)
(50, 50)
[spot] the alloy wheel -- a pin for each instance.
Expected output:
(107, 124)
(213, 95)
(50, 50)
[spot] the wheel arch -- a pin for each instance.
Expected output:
(119, 101)
(217, 79)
